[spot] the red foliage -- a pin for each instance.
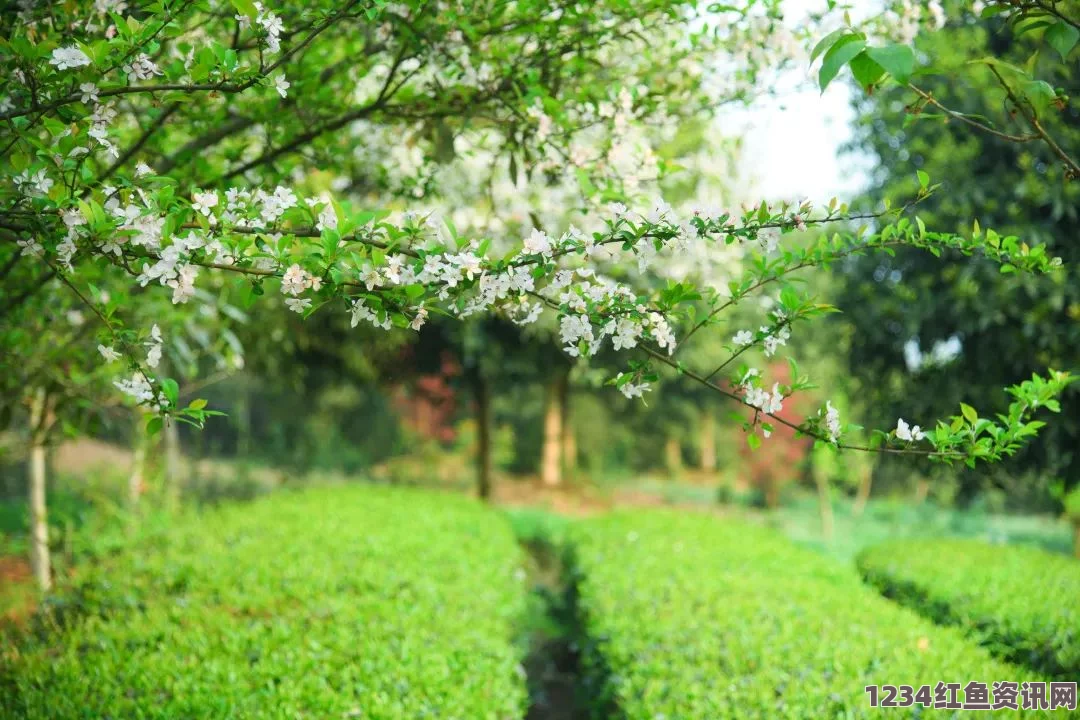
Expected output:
(778, 459)
(427, 404)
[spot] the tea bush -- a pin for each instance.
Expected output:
(1020, 602)
(329, 603)
(690, 616)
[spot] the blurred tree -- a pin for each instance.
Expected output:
(930, 333)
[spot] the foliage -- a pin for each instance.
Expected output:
(931, 333)
(173, 147)
(296, 604)
(696, 617)
(1016, 601)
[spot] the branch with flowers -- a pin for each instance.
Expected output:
(89, 118)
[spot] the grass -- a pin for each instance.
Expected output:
(899, 519)
(337, 602)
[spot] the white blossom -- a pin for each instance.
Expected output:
(37, 184)
(832, 421)
(537, 242)
(634, 390)
(419, 319)
(295, 280)
(298, 304)
(204, 202)
(153, 355)
(141, 68)
(108, 353)
(908, 433)
(30, 245)
(183, 284)
(89, 92)
(69, 57)
(768, 239)
(327, 219)
(743, 338)
(272, 25)
(282, 85)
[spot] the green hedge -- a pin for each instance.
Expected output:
(1020, 602)
(694, 617)
(345, 602)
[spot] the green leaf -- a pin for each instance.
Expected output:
(171, 390)
(753, 441)
(827, 42)
(898, 60)
(1039, 92)
(587, 186)
(969, 413)
(866, 71)
(924, 179)
(153, 425)
(246, 7)
(1062, 37)
(197, 404)
(839, 55)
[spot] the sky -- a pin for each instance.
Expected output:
(792, 141)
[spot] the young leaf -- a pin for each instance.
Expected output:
(839, 55)
(1062, 37)
(866, 71)
(827, 42)
(898, 60)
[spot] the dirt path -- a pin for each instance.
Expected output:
(552, 665)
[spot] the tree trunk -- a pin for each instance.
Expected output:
(708, 441)
(137, 479)
(824, 505)
(569, 440)
(551, 453)
(862, 494)
(772, 491)
(482, 394)
(673, 455)
(40, 421)
(922, 489)
(1076, 538)
(171, 441)
(243, 425)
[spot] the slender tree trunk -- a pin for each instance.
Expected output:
(922, 489)
(862, 495)
(824, 505)
(1076, 538)
(137, 479)
(171, 440)
(482, 394)
(243, 425)
(772, 491)
(673, 455)
(569, 440)
(40, 420)
(708, 440)
(551, 452)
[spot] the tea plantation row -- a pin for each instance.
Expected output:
(689, 617)
(1021, 603)
(351, 602)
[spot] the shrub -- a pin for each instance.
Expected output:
(329, 603)
(1020, 602)
(696, 617)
